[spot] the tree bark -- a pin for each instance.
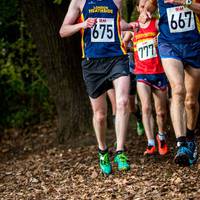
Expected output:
(198, 121)
(61, 59)
(130, 5)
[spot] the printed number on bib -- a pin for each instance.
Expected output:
(103, 30)
(146, 50)
(180, 19)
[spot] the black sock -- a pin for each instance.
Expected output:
(181, 141)
(103, 151)
(190, 134)
(120, 151)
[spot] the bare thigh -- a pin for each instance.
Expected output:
(174, 70)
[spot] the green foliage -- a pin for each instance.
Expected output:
(23, 89)
(57, 1)
(126, 11)
(9, 25)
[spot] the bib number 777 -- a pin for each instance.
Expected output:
(146, 50)
(103, 30)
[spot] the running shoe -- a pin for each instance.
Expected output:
(122, 161)
(104, 163)
(140, 128)
(184, 155)
(162, 146)
(192, 145)
(150, 150)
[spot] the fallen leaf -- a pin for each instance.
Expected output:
(94, 175)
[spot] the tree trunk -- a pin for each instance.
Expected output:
(130, 5)
(61, 59)
(198, 121)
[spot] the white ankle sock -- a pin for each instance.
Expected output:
(151, 142)
(162, 136)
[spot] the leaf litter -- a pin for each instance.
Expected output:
(34, 167)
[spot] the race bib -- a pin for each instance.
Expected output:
(180, 19)
(146, 50)
(103, 30)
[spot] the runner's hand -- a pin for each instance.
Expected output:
(134, 26)
(89, 23)
(144, 17)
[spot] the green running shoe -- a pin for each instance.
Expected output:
(140, 128)
(122, 161)
(104, 163)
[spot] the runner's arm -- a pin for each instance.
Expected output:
(127, 38)
(124, 25)
(156, 37)
(195, 6)
(69, 26)
(157, 24)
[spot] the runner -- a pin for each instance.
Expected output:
(133, 105)
(104, 64)
(151, 80)
(179, 48)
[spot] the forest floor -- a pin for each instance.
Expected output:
(34, 167)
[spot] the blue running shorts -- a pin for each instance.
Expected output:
(156, 81)
(188, 53)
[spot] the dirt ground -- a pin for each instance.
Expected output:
(34, 167)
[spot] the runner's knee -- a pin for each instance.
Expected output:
(122, 103)
(161, 114)
(190, 102)
(146, 109)
(100, 116)
(178, 92)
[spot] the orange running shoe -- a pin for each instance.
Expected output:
(162, 146)
(150, 150)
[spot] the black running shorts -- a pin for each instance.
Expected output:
(99, 73)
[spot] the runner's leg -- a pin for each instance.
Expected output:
(99, 107)
(111, 95)
(160, 101)
(175, 73)
(144, 92)
(192, 78)
(121, 86)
